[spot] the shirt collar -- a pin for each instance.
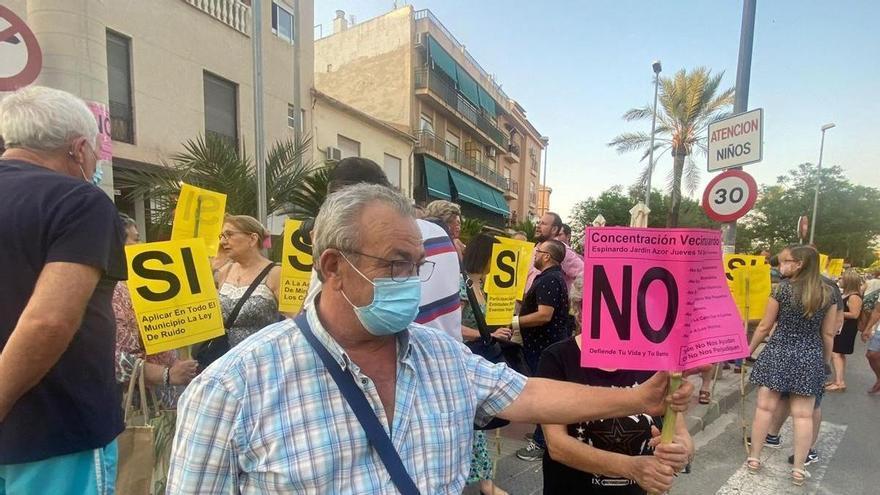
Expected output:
(555, 268)
(404, 345)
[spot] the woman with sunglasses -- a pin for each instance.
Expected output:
(241, 240)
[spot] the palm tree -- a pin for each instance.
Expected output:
(213, 163)
(688, 102)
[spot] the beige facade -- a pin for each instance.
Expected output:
(390, 68)
(342, 129)
(172, 45)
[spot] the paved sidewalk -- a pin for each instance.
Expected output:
(525, 478)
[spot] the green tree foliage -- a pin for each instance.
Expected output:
(527, 227)
(212, 163)
(614, 204)
(687, 103)
(469, 228)
(847, 224)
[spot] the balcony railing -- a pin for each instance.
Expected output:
(234, 13)
(427, 14)
(428, 79)
(452, 154)
(513, 186)
(512, 148)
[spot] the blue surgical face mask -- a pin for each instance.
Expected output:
(98, 176)
(395, 304)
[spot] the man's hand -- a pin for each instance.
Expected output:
(651, 474)
(655, 393)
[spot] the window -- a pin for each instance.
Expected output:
(349, 147)
(426, 123)
(452, 138)
(119, 85)
(392, 169)
(291, 118)
(282, 22)
(221, 108)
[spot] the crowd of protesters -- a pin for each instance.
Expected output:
(383, 382)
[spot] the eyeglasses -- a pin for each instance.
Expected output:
(543, 252)
(401, 270)
(226, 234)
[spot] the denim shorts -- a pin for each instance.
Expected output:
(91, 472)
(874, 343)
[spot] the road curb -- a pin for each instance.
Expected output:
(728, 399)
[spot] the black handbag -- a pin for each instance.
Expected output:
(213, 349)
(489, 348)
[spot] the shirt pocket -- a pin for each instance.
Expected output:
(440, 446)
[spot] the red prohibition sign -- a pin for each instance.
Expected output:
(34, 55)
(729, 195)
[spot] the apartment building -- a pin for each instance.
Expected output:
(171, 70)
(473, 143)
(341, 131)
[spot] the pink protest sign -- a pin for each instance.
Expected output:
(102, 115)
(657, 299)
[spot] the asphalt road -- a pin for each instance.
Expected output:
(849, 448)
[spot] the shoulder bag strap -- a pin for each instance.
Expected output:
(479, 317)
(230, 320)
(364, 412)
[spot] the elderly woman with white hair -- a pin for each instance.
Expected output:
(62, 255)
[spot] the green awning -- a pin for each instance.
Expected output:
(437, 179)
(501, 203)
(468, 86)
(466, 188)
(489, 198)
(442, 59)
(487, 102)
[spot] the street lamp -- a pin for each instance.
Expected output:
(818, 175)
(657, 68)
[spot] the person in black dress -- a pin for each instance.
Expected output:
(845, 340)
(616, 456)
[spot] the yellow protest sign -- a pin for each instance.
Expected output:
(199, 213)
(733, 262)
(296, 267)
(751, 290)
(173, 294)
(835, 267)
(506, 281)
(823, 263)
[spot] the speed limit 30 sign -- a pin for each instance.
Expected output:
(729, 196)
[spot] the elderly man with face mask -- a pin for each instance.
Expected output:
(352, 396)
(61, 255)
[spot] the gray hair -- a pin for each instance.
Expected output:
(45, 119)
(127, 221)
(338, 224)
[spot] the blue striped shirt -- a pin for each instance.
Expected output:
(268, 418)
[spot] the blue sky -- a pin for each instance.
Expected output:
(576, 66)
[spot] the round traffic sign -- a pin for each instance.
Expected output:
(20, 55)
(729, 196)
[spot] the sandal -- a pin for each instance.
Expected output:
(704, 397)
(835, 388)
(799, 476)
(753, 464)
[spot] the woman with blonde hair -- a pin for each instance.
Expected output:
(844, 341)
(794, 359)
(241, 240)
(450, 214)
